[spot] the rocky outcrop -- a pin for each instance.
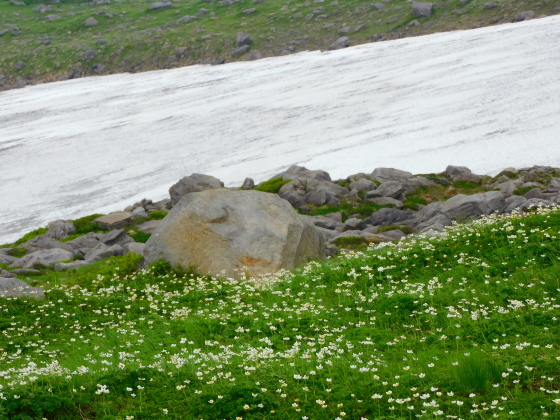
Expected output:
(301, 191)
(224, 232)
(193, 183)
(12, 287)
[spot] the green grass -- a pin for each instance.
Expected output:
(26, 237)
(522, 191)
(135, 39)
(85, 224)
(461, 326)
(272, 185)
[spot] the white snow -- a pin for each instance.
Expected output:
(486, 98)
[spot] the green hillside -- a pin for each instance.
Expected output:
(56, 45)
(460, 326)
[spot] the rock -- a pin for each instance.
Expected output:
(390, 174)
(18, 3)
(201, 12)
(87, 241)
(7, 274)
(249, 11)
(116, 237)
(26, 272)
(363, 184)
(42, 8)
(45, 258)
(422, 9)
(10, 287)
(248, 184)
(509, 172)
(507, 188)
(193, 183)
(534, 193)
(323, 222)
(90, 22)
(60, 229)
(149, 227)
(139, 212)
(513, 202)
(254, 55)
(344, 30)
(135, 247)
(534, 202)
(88, 54)
(524, 16)
(71, 265)
(236, 52)
(386, 201)
(392, 189)
(553, 186)
(389, 217)
(116, 220)
(242, 39)
(102, 251)
(302, 191)
(461, 173)
(353, 224)
(340, 43)
(43, 242)
(295, 171)
(19, 65)
(394, 234)
(7, 259)
(160, 5)
(462, 206)
(186, 19)
(221, 231)
(337, 217)
(489, 6)
(377, 6)
(218, 61)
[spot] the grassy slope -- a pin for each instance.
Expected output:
(463, 326)
(138, 40)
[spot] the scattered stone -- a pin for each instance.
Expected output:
(249, 11)
(193, 183)
(388, 217)
(225, 232)
(236, 52)
(513, 202)
(378, 6)
(248, 184)
(45, 242)
(180, 50)
(218, 61)
(296, 171)
(186, 19)
(149, 227)
(98, 68)
(60, 229)
(459, 11)
(116, 220)
(19, 65)
(390, 174)
(42, 8)
(116, 237)
(135, 247)
(49, 17)
(11, 287)
(242, 39)
(422, 9)
(489, 6)
(45, 258)
(7, 259)
(301, 191)
(160, 5)
(534, 193)
(90, 22)
(393, 189)
(70, 265)
(337, 217)
(461, 173)
(360, 28)
(385, 201)
(344, 31)
(524, 16)
(140, 212)
(18, 3)
(340, 43)
(102, 251)
(254, 55)
(363, 184)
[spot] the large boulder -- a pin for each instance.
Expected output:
(60, 229)
(11, 287)
(43, 242)
(224, 232)
(421, 9)
(302, 191)
(193, 183)
(390, 174)
(388, 217)
(461, 173)
(116, 220)
(473, 206)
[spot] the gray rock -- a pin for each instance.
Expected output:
(249, 11)
(390, 174)
(45, 258)
(201, 12)
(88, 54)
(163, 204)
(60, 229)
(254, 55)
(337, 217)
(377, 6)
(186, 19)
(222, 231)
(87, 241)
(462, 206)
(489, 6)
(524, 16)
(10, 287)
(7, 259)
(534, 202)
(236, 52)
(389, 217)
(98, 68)
(44, 242)
(90, 22)
(342, 42)
(19, 65)
(353, 224)
(116, 237)
(328, 234)
(71, 265)
(422, 9)
(324, 222)
(392, 189)
(461, 173)
(513, 202)
(506, 188)
(42, 8)
(116, 220)
(139, 212)
(18, 3)
(295, 171)
(553, 186)
(386, 201)
(7, 274)
(102, 251)
(160, 5)
(344, 30)
(394, 234)
(135, 247)
(149, 227)
(534, 193)
(242, 39)
(363, 184)
(26, 272)
(248, 184)
(302, 191)
(193, 183)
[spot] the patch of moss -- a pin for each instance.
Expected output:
(17, 252)
(403, 228)
(86, 224)
(272, 185)
(139, 236)
(466, 185)
(157, 215)
(413, 203)
(522, 191)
